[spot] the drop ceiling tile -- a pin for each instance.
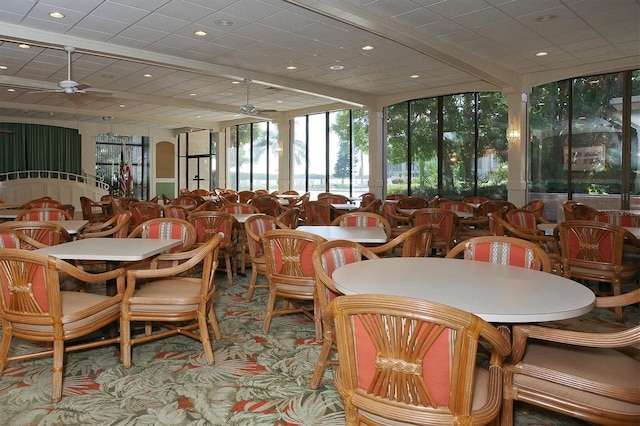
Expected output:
(418, 17)
(45, 25)
(149, 5)
(89, 34)
(247, 9)
(286, 21)
(185, 11)
(119, 12)
(162, 23)
(94, 23)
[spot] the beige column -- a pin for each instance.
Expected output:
(518, 136)
(377, 165)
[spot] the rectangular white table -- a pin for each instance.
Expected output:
(357, 234)
(72, 226)
(242, 217)
(494, 292)
(344, 206)
(111, 250)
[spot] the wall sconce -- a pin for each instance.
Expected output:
(513, 133)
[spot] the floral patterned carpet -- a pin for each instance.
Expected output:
(257, 379)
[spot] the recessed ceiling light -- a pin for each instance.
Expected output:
(11, 90)
(546, 18)
(292, 67)
(3, 67)
(542, 54)
(235, 82)
(415, 76)
(122, 105)
(367, 47)
(24, 46)
(147, 75)
(56, 15)
(198, 116)
(279, 102)
(336, 67)
(193, 94)
(200, 33)
(224, 23)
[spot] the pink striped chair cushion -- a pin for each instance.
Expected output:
(502, 253)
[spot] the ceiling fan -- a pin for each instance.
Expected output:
(249, 109)
(70, 86)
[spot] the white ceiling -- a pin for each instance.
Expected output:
(452, 45)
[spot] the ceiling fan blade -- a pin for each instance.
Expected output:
(83, 86)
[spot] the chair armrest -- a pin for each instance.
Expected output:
(92, 278)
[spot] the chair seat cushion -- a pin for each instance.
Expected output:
(74, 303)
(599, 364)
(177, 294)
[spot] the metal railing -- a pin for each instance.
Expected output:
(86, 179)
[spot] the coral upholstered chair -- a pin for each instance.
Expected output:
(363, 219)
(290, 274)
(412, 361)
(594, 251)
(208, 224)
(590, 376)
(33, 307)
(44, 214)
(254, 228)
(328, 257)
(503, 250)
(181, 303)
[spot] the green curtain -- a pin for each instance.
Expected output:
(12, 148)
(39, 147)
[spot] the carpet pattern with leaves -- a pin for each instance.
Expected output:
(257, 379)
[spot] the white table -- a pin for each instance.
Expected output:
(357, 234)
(496, 293)
(344, 206)
(9, 214)
(111, 249)
(242, 217)
(72, 226)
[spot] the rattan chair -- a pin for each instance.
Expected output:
(594, 251)
(34, 308)
(399, 222)
(594, 377)
(290, 217)
(179, 302)
(443, 224)
(363, 219)
(327, 257)
(548, 243)
(524, 220)
(411, 361)
(37, 234)
(255, 227)
(177, 212)
(43, 214)
(413, 203)
(290, 274)
(92, 211)
(141, 211)
(503, 250)
(164, 228)
(207, 225)
(267, 204)
(319, 213)
(415, 242)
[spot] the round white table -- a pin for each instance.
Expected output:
(496, 293)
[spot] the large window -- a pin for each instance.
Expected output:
(253, 157)
(453, 146)
(122, 162)
(330, 153)
(584, 142)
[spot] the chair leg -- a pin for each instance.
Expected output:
(269, 314)
(214, 322)
(125, 341)
(227, 261)
(323, 360)
(204, 337)
(252, 283)
(58, 365)
(6, 344)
